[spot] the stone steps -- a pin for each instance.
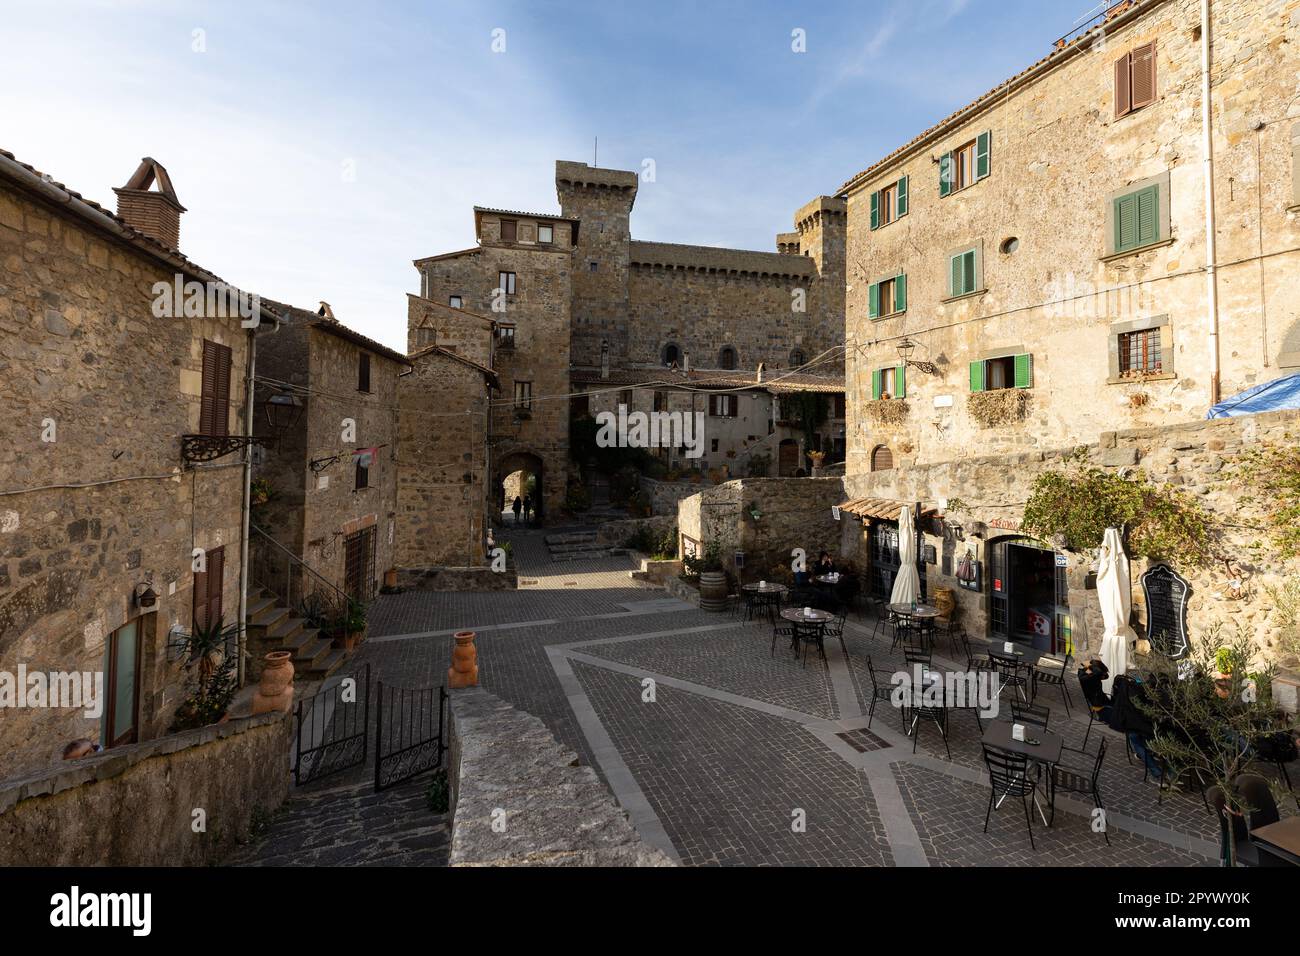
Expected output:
(277, 628)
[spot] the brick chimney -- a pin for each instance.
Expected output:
(155, 212)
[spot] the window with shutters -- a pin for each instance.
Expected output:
(882, 459)
(724, 406)
(965, 165)
(1003, 371)
(523, 395)
(1135, 79)
(889, 382)
(509, 230)
(363, 372)
(506, 282)
(208, 589)
(965, 271)
(889, 203)
(214, 399)
(545, 233)
(505, 337)
(1138, 216)
(887, 297)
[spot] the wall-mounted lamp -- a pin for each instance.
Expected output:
(905, 350)
(754, 512)
(145, 597)
(283, 411)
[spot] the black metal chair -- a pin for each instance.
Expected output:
(936, 714)
(1079, 777)
(784, 632)
(809, 635)
(835, 629)
(1023, 713)
(1009, 777)
(976, 661)
(1046, 671)
(882, 691)
(917, 654)
(885, 618)
(1232, 831)
(1012, 674)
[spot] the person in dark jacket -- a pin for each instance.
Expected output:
(517, 507)
(1128, 717)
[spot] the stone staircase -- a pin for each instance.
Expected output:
(273, 627)
(578, 546)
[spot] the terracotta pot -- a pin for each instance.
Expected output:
(275, 689)
(713, 591)
(943, 599)
(464, 662)
(390, 578)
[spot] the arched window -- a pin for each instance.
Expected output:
(797, 358)
(727, 357)
(672, 354)
(882, 459)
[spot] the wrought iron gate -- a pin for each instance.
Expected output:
(333, 728)
(409, 732)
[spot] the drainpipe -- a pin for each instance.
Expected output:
(247, 503)
(1211, 251)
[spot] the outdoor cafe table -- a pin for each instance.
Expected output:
(1047, 750)
(921, 617)
(1020, 657)
(766, 595)
(815, 618)
(1281, 839)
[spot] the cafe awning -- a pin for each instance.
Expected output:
(882, 509)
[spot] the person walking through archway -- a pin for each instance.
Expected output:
(517, 507)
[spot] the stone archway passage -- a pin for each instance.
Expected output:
(520, 473)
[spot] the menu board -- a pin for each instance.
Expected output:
(1167, 593)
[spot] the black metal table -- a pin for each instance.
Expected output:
(1047, 750)
(760, 597)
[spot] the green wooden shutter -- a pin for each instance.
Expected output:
(954, 277)
(977, 376)
(1126, 222)
(1148, 215)
(1024, 371)
(900, 293)
(968, 271)
(945, 174)
(875, 385)
(982, 155)
(900, 381)
(875, 210)
(902, 196)
(873, 301)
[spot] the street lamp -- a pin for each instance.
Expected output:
(905, 350)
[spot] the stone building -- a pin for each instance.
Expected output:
(1041, 254)
(326, 401)
(120, 459)
(557, 302)
(1031, 279)
(443, 494)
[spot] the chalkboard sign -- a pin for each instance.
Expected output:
(1167, 593)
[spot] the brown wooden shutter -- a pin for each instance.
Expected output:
(1143, 84)
(1123, 91)
(207, 589)
(214, 399)
(508, 230)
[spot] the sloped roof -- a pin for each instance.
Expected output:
(336, 328)
(882, 509)
(1108, 20)
(431, 350)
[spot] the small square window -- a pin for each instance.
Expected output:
(594, 266)
(455, 302)
(509, 230)
(545, 232)
(1139, 353)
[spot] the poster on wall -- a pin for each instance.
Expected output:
(1167, 593)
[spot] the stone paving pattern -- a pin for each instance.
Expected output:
(738, 739)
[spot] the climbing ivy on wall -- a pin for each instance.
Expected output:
(1270, 475)
(1080, 505)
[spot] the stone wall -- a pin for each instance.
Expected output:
(137, 805)
(81, 349)
(616, 533)
(457, 579)
(1040, 223)
(442, 485)
(504, 765)
(794, 513)
(1191, 457)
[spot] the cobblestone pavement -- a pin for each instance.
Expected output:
(744, 756)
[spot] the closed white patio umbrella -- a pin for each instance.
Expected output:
(1114, 591)
(907, 585)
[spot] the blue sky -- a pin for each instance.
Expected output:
(320, 147)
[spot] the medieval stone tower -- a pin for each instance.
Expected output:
(601, 199)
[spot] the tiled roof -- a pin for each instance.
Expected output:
(334, 327)
(557, 217)
(146, 243)
(1069, 49)
(882, 509)
(471, 251)
(774, 380)
(429, 350)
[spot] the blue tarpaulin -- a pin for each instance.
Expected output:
(1269, 397)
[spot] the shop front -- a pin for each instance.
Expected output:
(1028, 594)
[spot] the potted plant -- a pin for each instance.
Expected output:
(260, 491)
(212, 679)
(353, 624)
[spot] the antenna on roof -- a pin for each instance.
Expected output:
(595, 148)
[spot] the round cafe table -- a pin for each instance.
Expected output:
(809, 627)
(763, 596)
(920, 618)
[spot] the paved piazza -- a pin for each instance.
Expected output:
(747, 758)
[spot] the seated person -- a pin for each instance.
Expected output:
(1092, 673)
(1126, 716)
(825, 565)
